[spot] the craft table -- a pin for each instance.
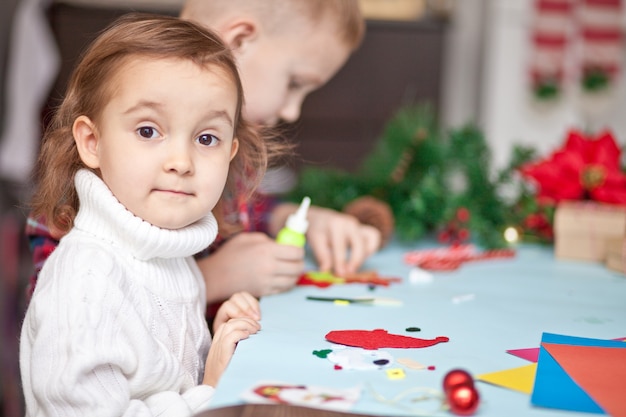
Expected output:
(484, 307)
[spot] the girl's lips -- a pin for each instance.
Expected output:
(177, 192)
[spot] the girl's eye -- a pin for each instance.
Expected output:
(208, 140)
(147, 132)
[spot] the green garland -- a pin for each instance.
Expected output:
(426, 177)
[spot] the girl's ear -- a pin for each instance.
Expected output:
(234, 148)
(86, 138)
(238, 33)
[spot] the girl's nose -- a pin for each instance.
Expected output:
(290, 112)
(178, 158)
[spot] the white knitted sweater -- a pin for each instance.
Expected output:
(116, 325)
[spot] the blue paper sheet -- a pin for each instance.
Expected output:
(553, 387)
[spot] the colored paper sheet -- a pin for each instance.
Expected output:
(600, 371)
(571, 376)
(518, 379)
(530, 354)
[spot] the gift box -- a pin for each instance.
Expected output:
(393, 9)
(616, 255)
(582, 229)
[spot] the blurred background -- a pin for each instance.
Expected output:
(523, 71)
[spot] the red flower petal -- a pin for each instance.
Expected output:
(613, 190)
(606, 152)
(609, 195)
(559, 176)
(576, 142)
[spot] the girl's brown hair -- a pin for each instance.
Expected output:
(89, 89)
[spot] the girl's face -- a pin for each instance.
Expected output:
(279, 70)
(164, 141)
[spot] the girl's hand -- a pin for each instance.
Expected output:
(239, 305)
(223, 346)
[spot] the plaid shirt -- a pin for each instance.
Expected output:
(253, 216)
(41, 245)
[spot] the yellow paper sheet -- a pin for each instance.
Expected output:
(518, 379)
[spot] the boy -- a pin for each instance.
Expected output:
(284, 50)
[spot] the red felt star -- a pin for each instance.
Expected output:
(584, 168)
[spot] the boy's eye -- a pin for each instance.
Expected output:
(208, 140)
(147, 132)
(294, 84)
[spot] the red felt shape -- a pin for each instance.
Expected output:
(379, 338)
(365, 277)
(304, 279)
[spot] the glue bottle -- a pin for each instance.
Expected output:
(295, 227)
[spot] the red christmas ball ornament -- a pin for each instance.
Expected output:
(463, 400)
(461, 395)
(456, 378)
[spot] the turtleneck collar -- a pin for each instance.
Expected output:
(101, 214)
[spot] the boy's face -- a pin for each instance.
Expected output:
(278, 71)
(164, 141)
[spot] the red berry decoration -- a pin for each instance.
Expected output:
(463, 400)
(455, 378)
(463, 214)
(461, 395)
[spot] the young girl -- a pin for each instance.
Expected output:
(135, 160)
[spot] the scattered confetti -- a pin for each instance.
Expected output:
(411, 364)
(322, 353)
(396, 373)
(463, 298)
(420, 276)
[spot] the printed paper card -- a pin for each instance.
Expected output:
(303, 395)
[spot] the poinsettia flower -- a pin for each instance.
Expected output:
(584, 168)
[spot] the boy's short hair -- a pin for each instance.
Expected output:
(345, 15)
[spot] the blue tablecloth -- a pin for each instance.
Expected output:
(508, 304)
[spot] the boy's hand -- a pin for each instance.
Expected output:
(223, 346)
(332, 234)
(253, 262)
(239, 305)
